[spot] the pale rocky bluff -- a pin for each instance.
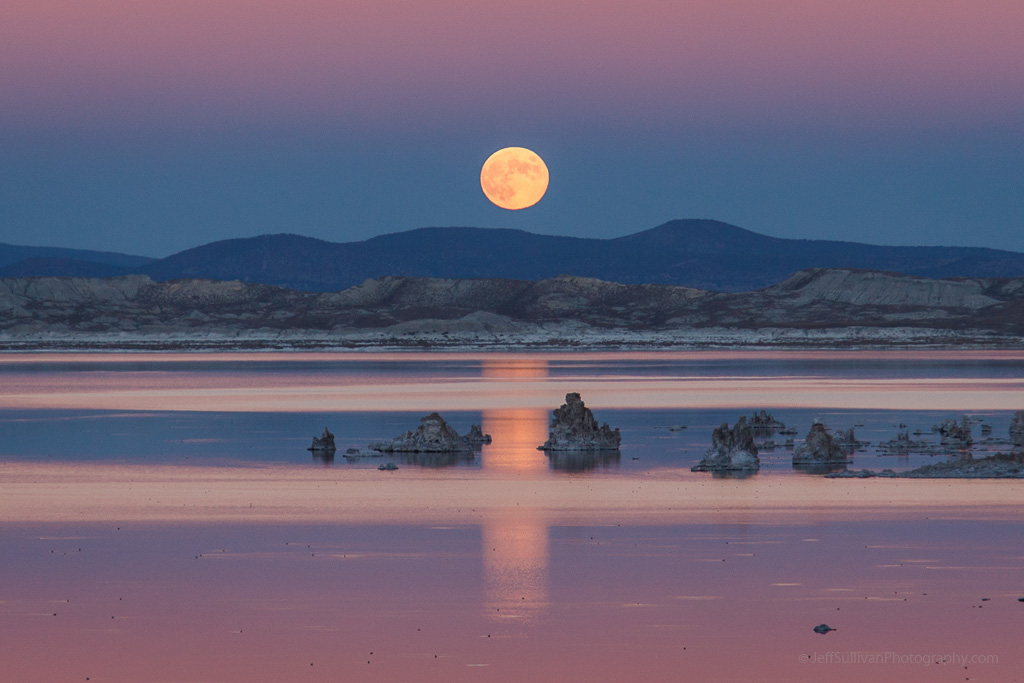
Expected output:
(813, 307)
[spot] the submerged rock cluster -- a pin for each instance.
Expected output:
(434, 435)
(903, 445)
(998, 466)
(573, 428)
(954, 434)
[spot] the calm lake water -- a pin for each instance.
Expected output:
(265, 408)
(156, 505)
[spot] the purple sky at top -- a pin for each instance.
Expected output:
(151, 126)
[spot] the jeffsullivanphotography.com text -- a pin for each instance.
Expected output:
(894, 658)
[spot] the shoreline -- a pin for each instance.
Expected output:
(584, 343)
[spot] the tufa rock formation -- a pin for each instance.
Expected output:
(434, 435)
(1017, 429)
(819, 448)
(325, 443)
(731, 450)
(954, 435)
(848, 441)
(573, 428)
(476, 436)
(762, 422)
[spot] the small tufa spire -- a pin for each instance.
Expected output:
(573, 428)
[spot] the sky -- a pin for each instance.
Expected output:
(151, 126)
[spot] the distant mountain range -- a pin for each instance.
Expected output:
(19, 261)
(696, 253)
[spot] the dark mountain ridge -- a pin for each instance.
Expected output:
(21, 261)
(54, 266)
(699, 253)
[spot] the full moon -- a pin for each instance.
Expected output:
(514, 178)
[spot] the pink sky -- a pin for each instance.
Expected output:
(933, 63)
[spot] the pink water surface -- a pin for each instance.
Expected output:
(133, 572)
(481, 381)
(511, 599)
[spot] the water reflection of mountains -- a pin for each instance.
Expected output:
(582, 461)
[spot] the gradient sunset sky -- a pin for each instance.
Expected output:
(150, 126)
